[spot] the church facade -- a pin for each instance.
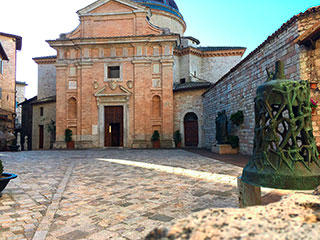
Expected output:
(128, 70)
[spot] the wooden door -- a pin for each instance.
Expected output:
(113, 126)
(191, 134)
(41, 137)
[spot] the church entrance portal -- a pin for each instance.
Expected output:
(191, 130)
(113, 126)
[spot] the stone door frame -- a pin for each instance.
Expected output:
(113, 100)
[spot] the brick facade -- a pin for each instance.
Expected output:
(145, 59)
(236, 90)
(10, 44)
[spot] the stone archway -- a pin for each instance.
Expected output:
(191, 130)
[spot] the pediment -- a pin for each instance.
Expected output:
(110, 6)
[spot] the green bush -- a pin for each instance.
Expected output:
(1, 168)
(177, 137)
(233, 141)
(237, 118)
(155, 136)
(68, 135)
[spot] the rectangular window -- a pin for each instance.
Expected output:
(41, 111)
(182, 80)
(113, 72)
(1, 66)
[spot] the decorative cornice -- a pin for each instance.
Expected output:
(45, 60)
(200, 53)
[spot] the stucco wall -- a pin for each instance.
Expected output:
(49, 113)
(167, 21)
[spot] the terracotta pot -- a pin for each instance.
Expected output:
(313, 85)
(156, 144)
(178, 145)
(313, 110)
(70, 145)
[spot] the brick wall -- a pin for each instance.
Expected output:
(237, 89)
(8, 83)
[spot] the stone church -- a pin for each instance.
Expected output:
(128, 70)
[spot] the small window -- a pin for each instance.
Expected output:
(1, 66)
(182, 80)
(195, 73)
(114, 72)
(41, 111)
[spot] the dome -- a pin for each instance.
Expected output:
(163, 5)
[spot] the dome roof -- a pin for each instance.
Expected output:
(163, 5)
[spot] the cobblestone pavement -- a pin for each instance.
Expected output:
(108, 194)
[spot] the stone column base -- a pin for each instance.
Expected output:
(249, 195)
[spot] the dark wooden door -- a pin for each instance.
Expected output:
(191, 134)
(113, 126)
(41, 139)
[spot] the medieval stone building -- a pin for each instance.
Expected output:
(128, 70)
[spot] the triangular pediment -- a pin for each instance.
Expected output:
(110, 6)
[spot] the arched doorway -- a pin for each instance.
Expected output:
(191, 134)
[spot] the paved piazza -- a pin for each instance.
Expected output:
(108, 194)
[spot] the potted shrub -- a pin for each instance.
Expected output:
(5, 178)
(155, 139)
(233, 141)
(68, 138)
(177, 138)
(237, 118)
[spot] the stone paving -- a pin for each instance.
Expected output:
(109, 194)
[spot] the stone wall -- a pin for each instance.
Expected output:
(186, 102)
(46, 80)
(213, 68)
(236, 90)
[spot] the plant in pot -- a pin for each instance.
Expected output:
(233, 141)
(155, 139)
(5, 178)
(68, 138)
(177, 138)
(237, 118)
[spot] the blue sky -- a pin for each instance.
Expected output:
(245, 23)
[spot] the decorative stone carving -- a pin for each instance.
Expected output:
(113, 85)
(130, 84)
(25, 145)
(95, 85)
(285, 154)
(222, 128)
